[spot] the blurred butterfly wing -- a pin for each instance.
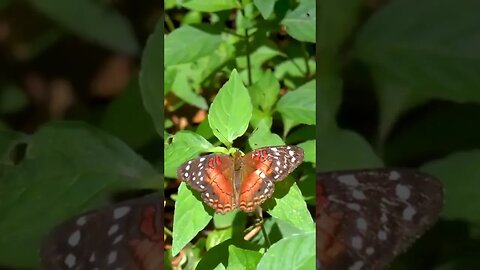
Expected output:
(128, 236)
(365, 218)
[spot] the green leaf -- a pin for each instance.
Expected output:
(330, 98)
(242, 259)
(185, 146)
(265, 7)
(150, 81)
(183, 90)
(299, 105)
(416, 55)
(218, 236)
(231, 110)
(178, 44)
(211, 5)
(264, 92)
(459, 174)
(337, 19)
(93, 21)
(300, 22)
(291, 208)
(68, 168)
(263, 137)
(309, 151)
(296, 252)
(190, 217)
(344, 149)
(137, 133)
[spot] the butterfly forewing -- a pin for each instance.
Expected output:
(365, 218)
(261, 168)
(125, 236)
(211, 175)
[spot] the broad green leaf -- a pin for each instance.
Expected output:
(262, 136)
(330, 96)
(182, 89)
(211, 5)
(416, 55)
(264, 92)
(265, 51)
(169, 77)
(93, 21)
(231, 110)
(337, 19)
(265, 7)
(150, 80)
(295, 67)
(310, 150)
(459, 174)
(68, 168)
(301, 22)
(190, 217)
(299, 105)
(185, 146)
(296, 252)
(136, 133)
(242, 259)
(218, 236)
(291, 207)
(178, 44)
(344, 149)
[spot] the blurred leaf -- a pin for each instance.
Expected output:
(178, 44)
(222, 221)
(150, 80)
(69, 168)
(93, 21)
(169, 77)
(12, 99)
(231, 110)
(296, 252)
(344, 149)
(266, 51)
(337, 19)
(136, 133)
(416, 55)
(185, 145)
(262, 137)
(211, 5)
(310, 149)
(299, 105)
(330, 96)
(459, 173)
(242, 259)
(300, 22)
(265, 7)
(292, 69)
(189, 218)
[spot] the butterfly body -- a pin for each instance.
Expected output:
(243, 182)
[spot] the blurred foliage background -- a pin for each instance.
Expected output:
(400, 86)
(74, 133)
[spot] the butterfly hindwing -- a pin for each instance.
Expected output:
(366, 217)
(128, 235)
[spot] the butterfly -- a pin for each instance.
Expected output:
(127, 235)
(365, 218)
(243, 182)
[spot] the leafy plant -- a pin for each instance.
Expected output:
(268, 99)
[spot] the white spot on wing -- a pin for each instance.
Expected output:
(361, 224)
(81, 221)
(74, 238)
(348, 179)
(408, 213)
(357, 242)
(113, 229)
(112, 257)
(120, 212)
(359, 195)
(394, 175)
(70, 260)
(356, 266)
(402, 192)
